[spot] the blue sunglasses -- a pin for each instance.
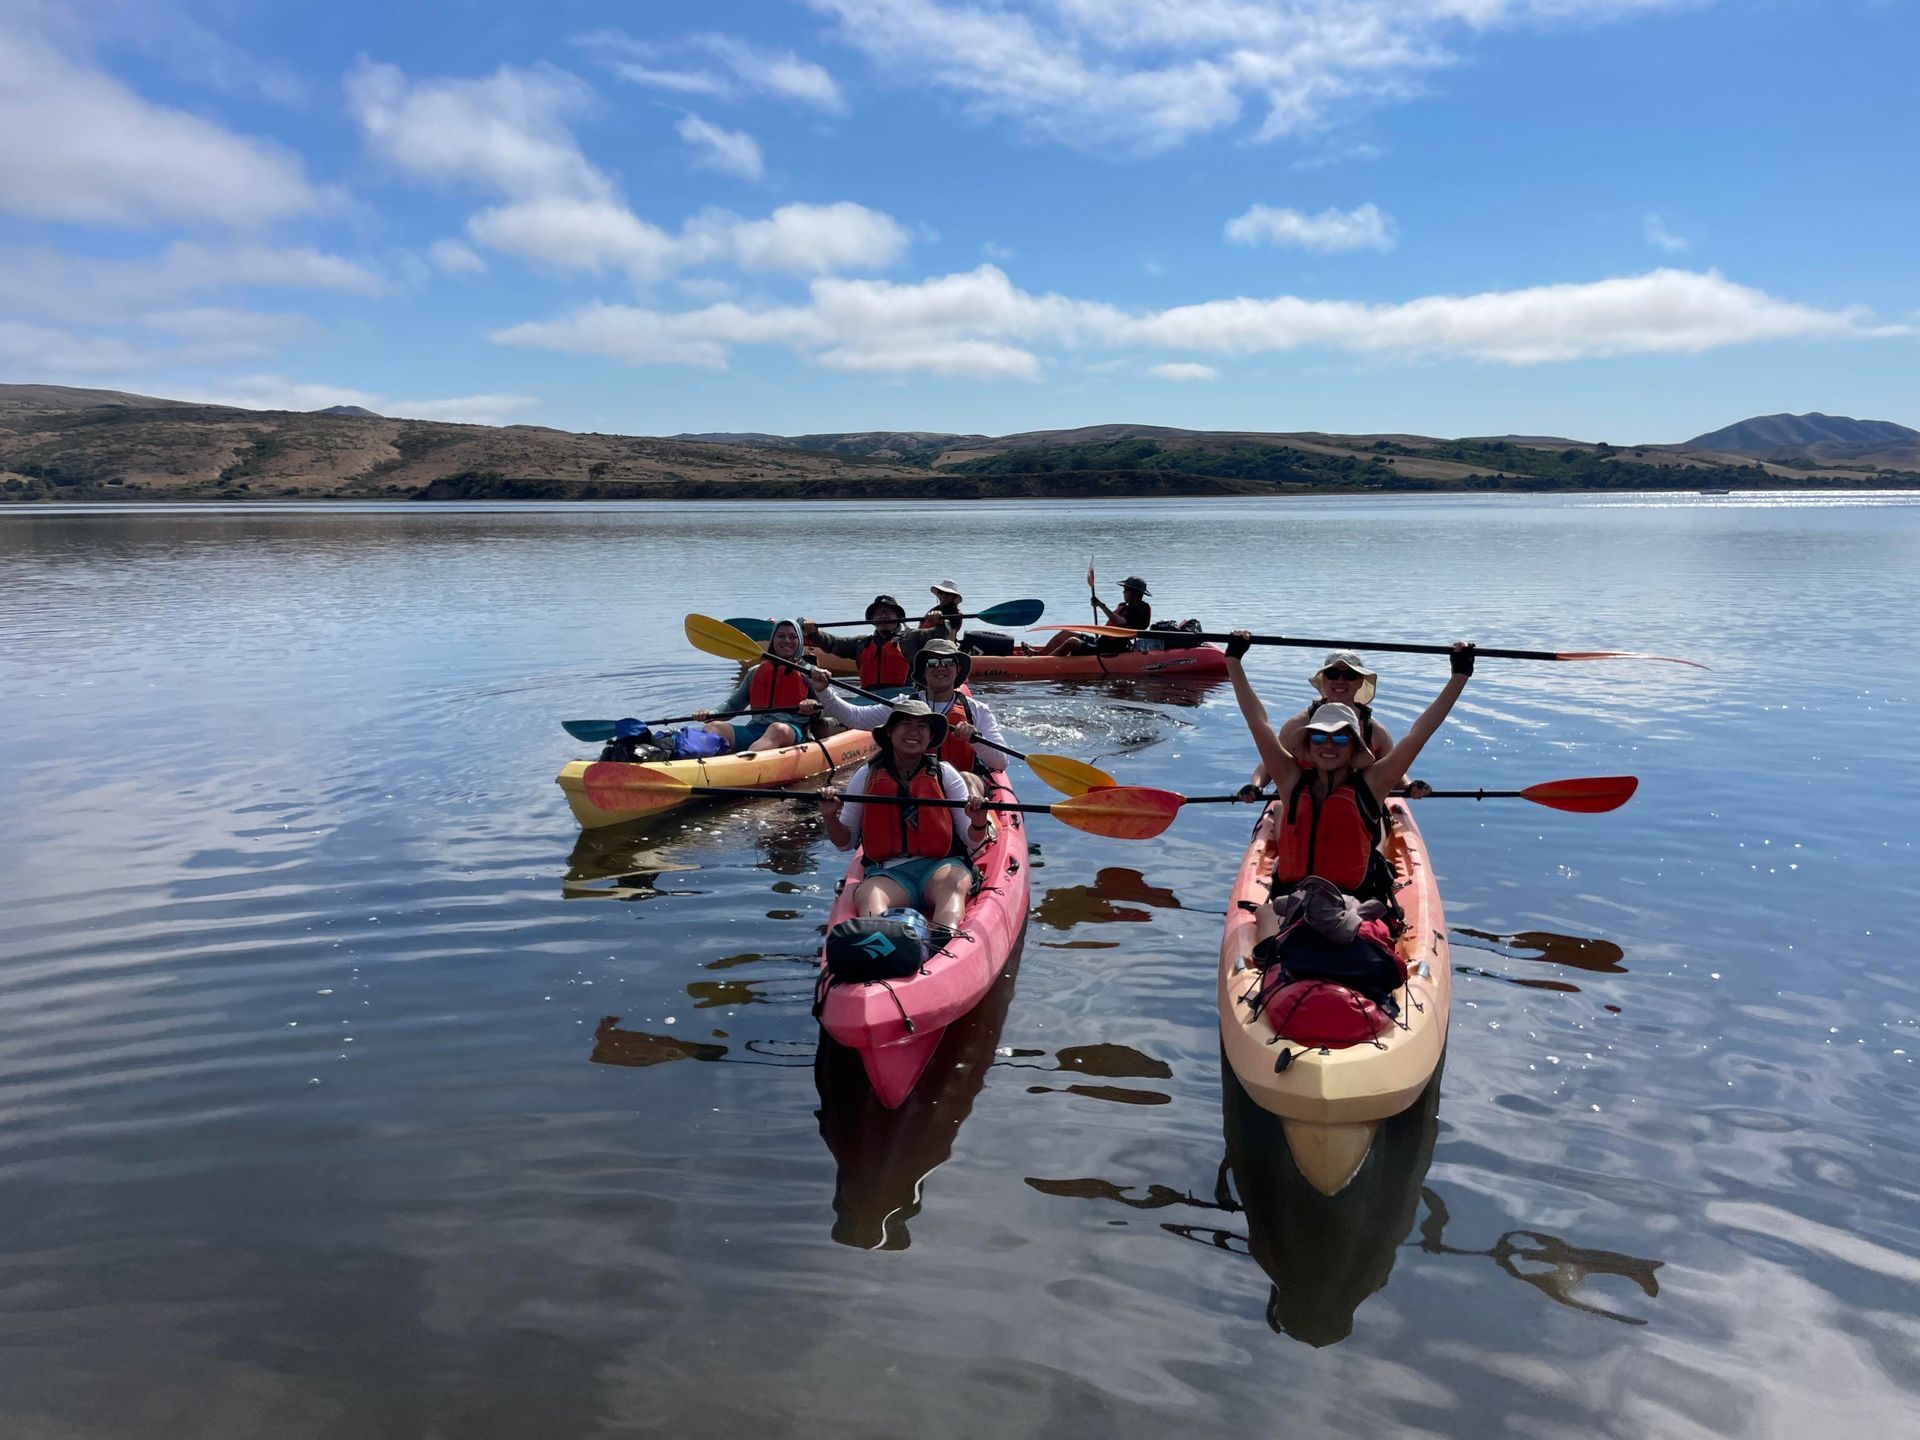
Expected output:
(1321, 737)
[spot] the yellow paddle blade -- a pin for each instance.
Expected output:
(1122, 632)
(626, 789)
(716, 637)
(1070, 776)
(1124, 812)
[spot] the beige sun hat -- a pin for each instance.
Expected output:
(912, 710)
(946, 587)
(1350, 660)
(941, 649)
(1333, 717)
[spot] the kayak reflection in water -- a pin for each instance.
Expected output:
(768, 686)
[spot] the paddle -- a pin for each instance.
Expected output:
(1118, 812)
(720, 637)
(601, 731)
(1009, 612)
(1480, 651)
(1093, 595)
(1588, 795)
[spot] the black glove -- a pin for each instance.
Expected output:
(1248, 792)
(1461, 658)
(1237, 646)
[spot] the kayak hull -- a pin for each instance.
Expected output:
(1200, 662)
(873, 1019)
(765, 769)
(1331, 1102)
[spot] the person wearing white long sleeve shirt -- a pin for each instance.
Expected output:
(940, 668)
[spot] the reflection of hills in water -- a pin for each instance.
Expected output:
(884, 1156)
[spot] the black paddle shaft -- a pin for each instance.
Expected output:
(942, 804)
(852, 688)
(1479, 651)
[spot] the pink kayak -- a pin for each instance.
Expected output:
(896, 1025)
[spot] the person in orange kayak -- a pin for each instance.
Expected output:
(915, 855)
(944, 617)
(885, 658)
(1334, 788)
(939, 670)
(1133, 611)
(1343, 680)
(767, 686)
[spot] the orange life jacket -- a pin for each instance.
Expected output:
(885, 831)
(774, 687)
(955, 751)
(1332, 838)
(882, 665)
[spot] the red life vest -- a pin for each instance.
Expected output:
(1332, 838)
(882, 665)
(774, 687)
(955, 751)
(885, 834)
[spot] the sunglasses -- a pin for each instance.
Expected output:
(1339, 675)
(1320, 737)
(946, 664)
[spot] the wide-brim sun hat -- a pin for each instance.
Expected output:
(1350, 660)
(1332, 718)
(946, 587)
(1134, 582)
(941, 650)
(913, 710)
(887, 601)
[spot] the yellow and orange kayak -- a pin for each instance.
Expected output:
(765, 769)
(1331, 1102)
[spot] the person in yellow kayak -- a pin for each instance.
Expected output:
(944, 618)
(1343, 680)
(939, 670)
(1333, 789)
(915, 855)
(1133, 611)
(884, 658)
(767, 686)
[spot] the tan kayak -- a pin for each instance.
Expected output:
(1331, 1102)
(770, 769)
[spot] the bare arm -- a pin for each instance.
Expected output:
(1273, 755)
(1386, 773)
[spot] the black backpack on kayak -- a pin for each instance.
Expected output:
(1169, 635)
(990, 642)
(877, 947)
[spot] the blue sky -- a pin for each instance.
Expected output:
(1630, 220)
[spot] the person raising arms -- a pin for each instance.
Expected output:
(939, 670)
(1343, 680)
(915, 855)
(768, 686)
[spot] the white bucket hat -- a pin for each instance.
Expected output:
(1349, 660)
(1333, 717)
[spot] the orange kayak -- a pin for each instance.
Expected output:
(768, 769)
(1201, 662)
(1331, 1102)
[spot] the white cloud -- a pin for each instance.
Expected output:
(995, 251)
(808, 239)
(1363, 228)
(463, 409)
(731, 152)
(31, 352)
(1184, 371)
(728, 67)
(577, 234)
(210, 335)
(1145, 76)
(1661, 238)
(77, 145)
(35, 280)
(508, 132)
(969, 323)
(456, 258)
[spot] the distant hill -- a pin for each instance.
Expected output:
(58, 443)
(1815, 437)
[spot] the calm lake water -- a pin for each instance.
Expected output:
(312, 1122)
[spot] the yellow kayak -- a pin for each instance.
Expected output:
(765, 769)
(1331, 1102)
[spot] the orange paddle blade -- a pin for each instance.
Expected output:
(627, 789)
(1593, 795)
(1122, 632)
(1125, 812)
